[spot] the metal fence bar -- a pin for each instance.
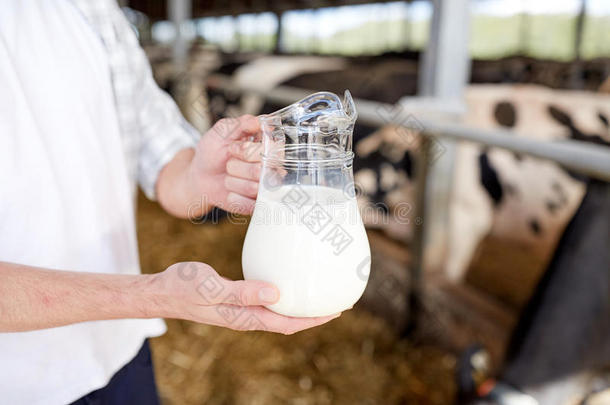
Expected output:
(418, 250)
(582, 157)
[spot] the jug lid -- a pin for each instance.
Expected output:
(323, 111)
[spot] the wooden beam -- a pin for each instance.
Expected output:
(156, 10)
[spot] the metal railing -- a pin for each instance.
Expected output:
(582, 157)
(588, 159)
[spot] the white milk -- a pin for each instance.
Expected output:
(310, 242)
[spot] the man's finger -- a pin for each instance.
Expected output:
(287, 325)
(247, 151)
(295, 325)
(238, 204)
(250, 125)
(251, 293)
(237, 128)
(247, 188)
(243, 170)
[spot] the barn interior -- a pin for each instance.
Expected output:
(481, 145)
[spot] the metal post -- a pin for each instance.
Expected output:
(444, 71)
(416, 264)
(524, 31)
(446, 63)
(279, 36)
(179, 12)
(576, 80)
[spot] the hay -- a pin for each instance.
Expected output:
(356, 359)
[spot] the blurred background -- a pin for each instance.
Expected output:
(482, 168)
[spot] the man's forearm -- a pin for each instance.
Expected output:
(34, 298)
(175, 190)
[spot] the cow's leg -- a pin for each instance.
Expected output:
(470, 213)
(565, 327)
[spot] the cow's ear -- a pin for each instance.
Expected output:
(560, 116)
(602, 117)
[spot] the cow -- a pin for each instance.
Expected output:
(498, 196)
(523, 201)
(559, 351)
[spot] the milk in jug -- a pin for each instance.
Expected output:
(306, 234)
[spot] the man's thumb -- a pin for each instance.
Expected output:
(252, 292)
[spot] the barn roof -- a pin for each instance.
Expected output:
(157, 10)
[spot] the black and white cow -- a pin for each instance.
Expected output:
(521, 200)
(513, 197)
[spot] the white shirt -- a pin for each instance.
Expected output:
(66, 192)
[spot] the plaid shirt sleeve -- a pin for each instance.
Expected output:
(163, 131)
(152, 128)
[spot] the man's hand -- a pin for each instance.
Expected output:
(223, 171)
(194, 291)
(226, 166)
(34, 298)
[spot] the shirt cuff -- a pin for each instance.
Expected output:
(159, 152)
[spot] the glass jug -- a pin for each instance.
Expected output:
(306, 235)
